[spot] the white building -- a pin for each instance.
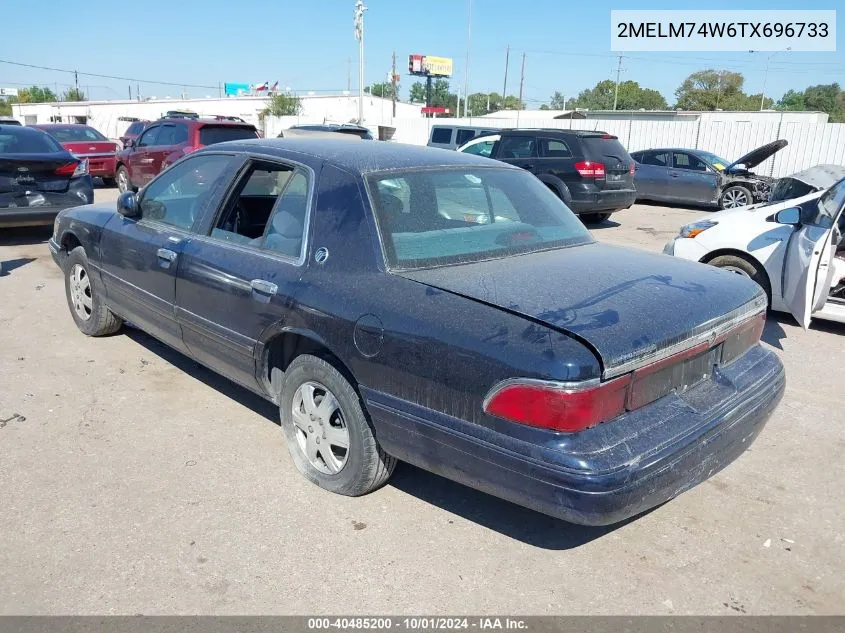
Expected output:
(113, 117)
(764, 116)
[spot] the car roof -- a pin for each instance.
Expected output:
(358, 157)
(201, 122)
(524, 131)
(56, 126)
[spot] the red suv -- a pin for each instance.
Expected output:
(167, 140)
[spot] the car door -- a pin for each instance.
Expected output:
(520, 151)
(691, 179)
(241, 276)
(165, 143)
(809, 257)
(139, 161)
(139, 257)
(651, 175)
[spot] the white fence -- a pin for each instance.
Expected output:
(809, 143)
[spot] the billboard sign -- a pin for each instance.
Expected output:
(8, 92)
(233, 90)
(430, 66)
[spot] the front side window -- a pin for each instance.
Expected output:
(830, 205)
(518, 147)
(683, 160)
(482, 148)
(179, 196)
(148, 138)
(453, 216)
(267, 210)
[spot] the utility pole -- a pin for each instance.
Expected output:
(393, 83)
(138, 91)
(349, 74)
(76, 80)
(359, 35)
(505, 87)
(130, 92)
(466, 70)
(521, 82)
(616, 90)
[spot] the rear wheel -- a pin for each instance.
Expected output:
(123, 182)
(83, 297)
(746, 268)
(328, 434)
(594, 218)
(735, 196)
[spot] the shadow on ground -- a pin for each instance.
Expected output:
(25, 235)
(491, 512)
(9, 265)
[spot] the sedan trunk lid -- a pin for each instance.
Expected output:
(630, 307)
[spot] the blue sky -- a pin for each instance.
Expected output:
(306, 44)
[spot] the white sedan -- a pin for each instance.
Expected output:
(788, 247)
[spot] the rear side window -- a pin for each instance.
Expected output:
(135, 128)
(441, 135)
(20, 141)
(658, 159)
(211, 134)
(464, 136)
(604, 145)
(555, 148)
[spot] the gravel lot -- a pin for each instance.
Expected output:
(134, 481)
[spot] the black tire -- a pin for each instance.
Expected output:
(562, 193)
(100, 320)
(124, 184)
(743, 266)
(109, 182)
(594, 218)
(728, 198)
(367, 466)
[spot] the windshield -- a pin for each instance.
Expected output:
(75, 134)
(24, 141)
(717, 161)
(452, 216)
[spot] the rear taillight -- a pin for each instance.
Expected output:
(554, 406)
(566, 408)
(589, 169)
(81, 168)
(68, 169)
(632, 168)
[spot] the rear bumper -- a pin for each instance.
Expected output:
(601, 200)
(101, 166)
(606, 474)
(30, 216)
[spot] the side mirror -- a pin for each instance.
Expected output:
(127, 205)
(789, 216)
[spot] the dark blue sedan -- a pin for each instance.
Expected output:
(438, 308)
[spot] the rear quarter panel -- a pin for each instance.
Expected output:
(421, 345)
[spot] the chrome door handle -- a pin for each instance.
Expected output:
(145, 160)
(166, 254)
(264, 287)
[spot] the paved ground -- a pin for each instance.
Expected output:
(134, 481)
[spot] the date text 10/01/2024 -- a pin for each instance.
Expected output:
(418, 623)
(722, 29)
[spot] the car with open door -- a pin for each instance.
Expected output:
(694, 176)
(794, 249)
(520, 357)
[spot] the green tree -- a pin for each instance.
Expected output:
(417, 92)
(6, 107)
(826, 98)
(792, 100)
(282, 104)
(631, 96)
(716, 89)
(36, 94)
(73, 94)
(545, 106)
(384, 89)
(557, 102)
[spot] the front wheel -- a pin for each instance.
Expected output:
(83, 297)
(328, 434)
(735, 196)
(745, 268)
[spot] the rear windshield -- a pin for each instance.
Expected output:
(453, 216)
(23, 141)
(75, 134)
(597, 147)
(211, 134)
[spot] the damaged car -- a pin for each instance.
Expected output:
(698, 177)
